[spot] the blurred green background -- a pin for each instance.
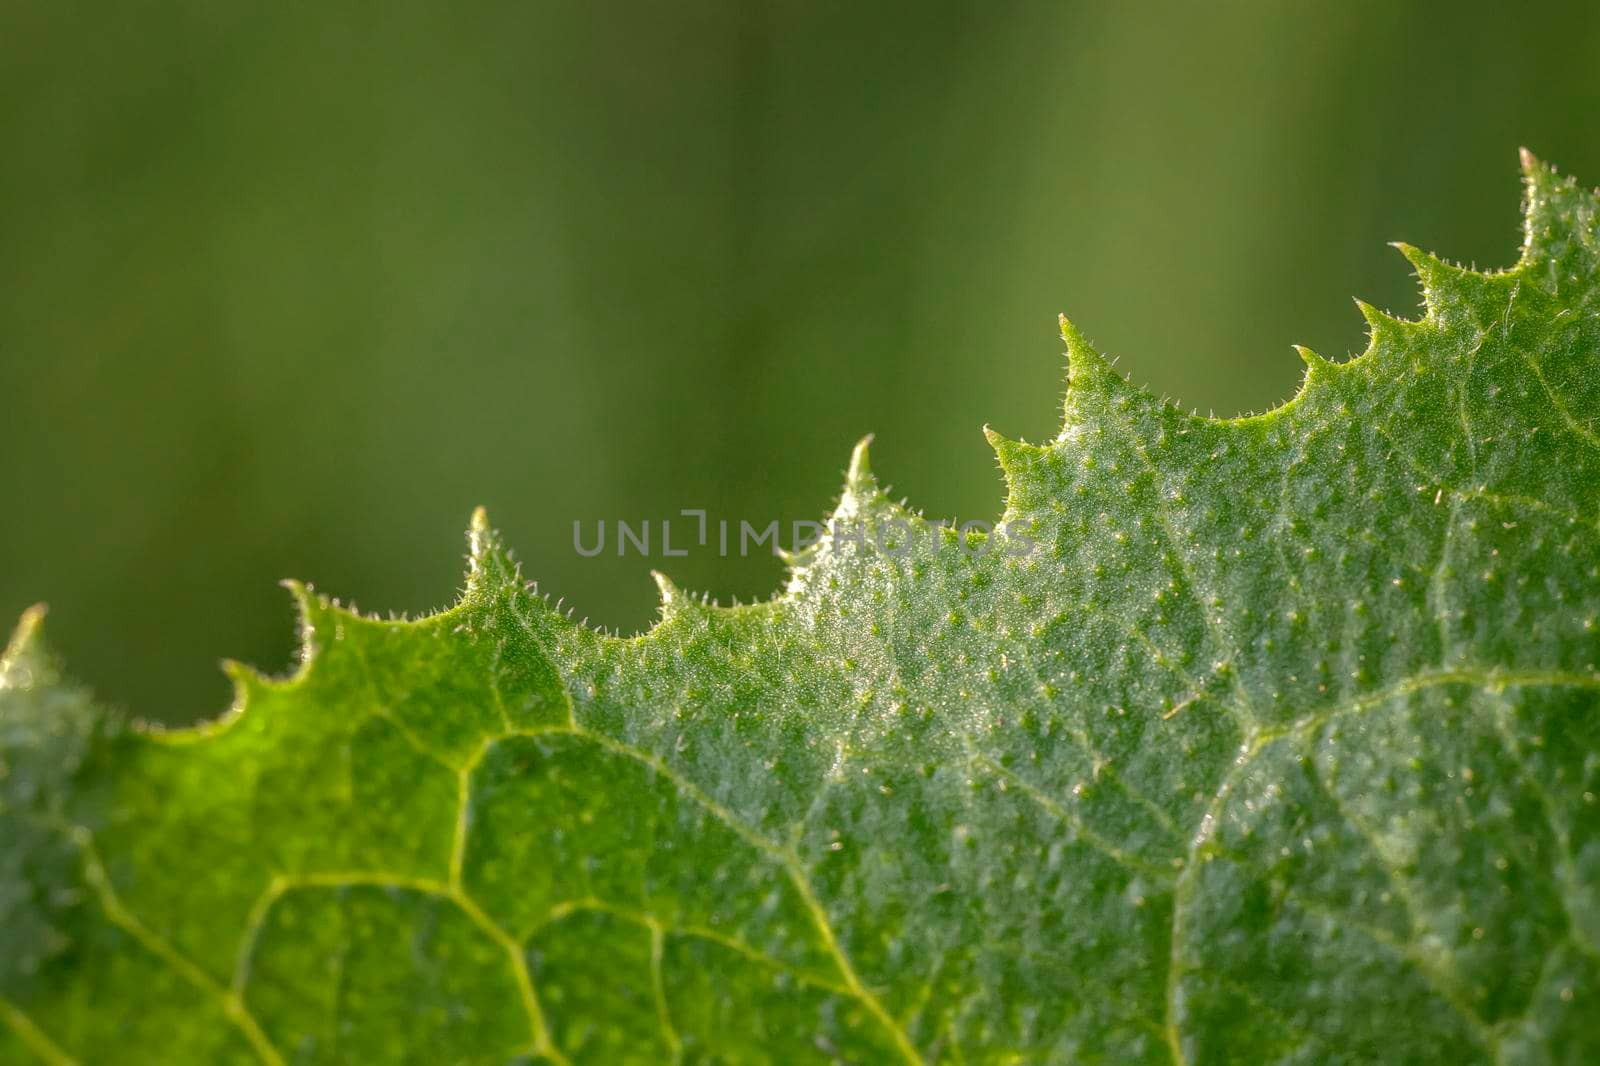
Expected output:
(286, 290)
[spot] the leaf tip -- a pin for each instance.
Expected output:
(1414, 255)
(489, 565)
(1077, 346)
(1561, 225)
(300, 592)
(1314, 362)
(27, 629)
(1082, 359)
(1443, 283)
(1379, 322)
(246, 679)
(312, 609)
(1091, 381)
(672, 596)
(859, 475)
(24, 656)
(482, 540)
(1008, 451)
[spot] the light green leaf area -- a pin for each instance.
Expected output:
(1282, 745)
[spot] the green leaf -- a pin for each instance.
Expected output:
(1280, 745)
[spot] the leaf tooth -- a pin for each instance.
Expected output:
(858, 478)
(480, 533)
(1018, 461)
(1093, 383)
(490, 566)
(1429, 268)
(863, 495)
(25, 636)
(860, 484)
(301, 593)
(26, 661)
(1443, 283)
(1559, 220)
(318, 627)
(1381, 326)
(1015, 456)
(672, 597)
(1082, 359)
(1088, 370)
(1315, 364)
(248, 683)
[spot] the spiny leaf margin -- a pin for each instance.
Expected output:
(807, 642)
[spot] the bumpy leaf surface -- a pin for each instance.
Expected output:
(1282, 745)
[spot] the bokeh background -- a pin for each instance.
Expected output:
(287, 289)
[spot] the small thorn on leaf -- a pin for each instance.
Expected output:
(669, 591)
(1081, 355)
(1312, 360)
(303, 594)
(860, 466)
(237, 671)
(23, 638)
(1420, 261)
